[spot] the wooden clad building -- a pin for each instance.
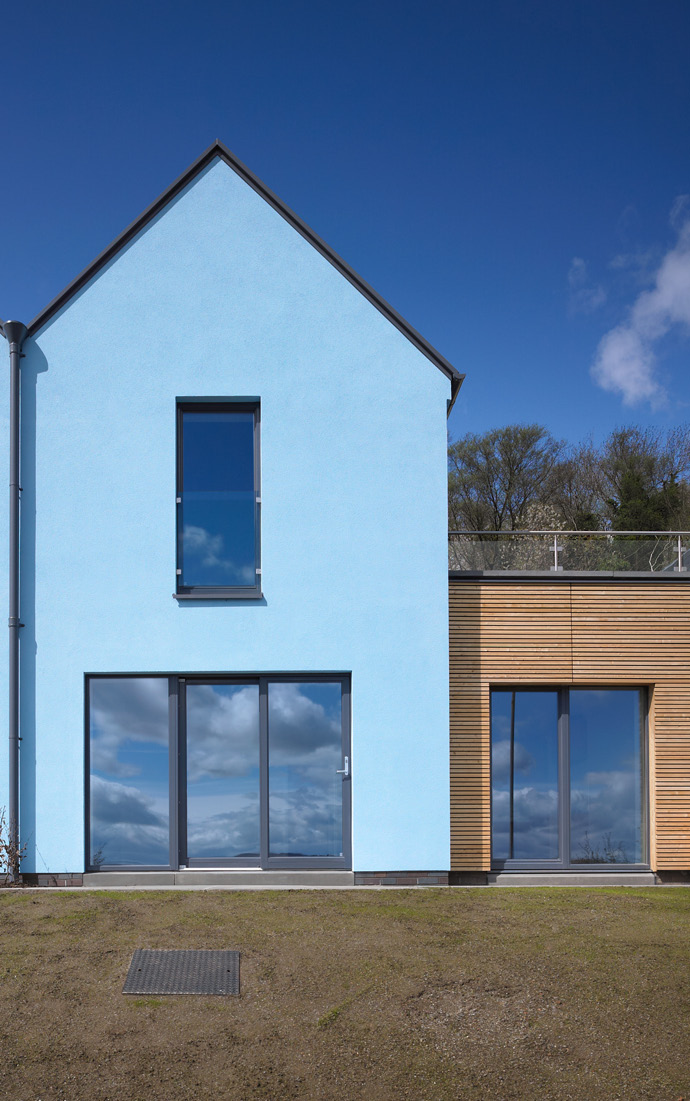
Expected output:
(576, 642)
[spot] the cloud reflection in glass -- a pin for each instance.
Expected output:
(129, 796)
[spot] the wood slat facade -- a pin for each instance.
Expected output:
(569, 633)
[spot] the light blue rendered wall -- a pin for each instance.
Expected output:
(219, 296)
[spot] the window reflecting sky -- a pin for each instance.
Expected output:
(535, 775)
(305, 749)
(605, 776)
(603, 737)
(129, 770)
(218, 499)
(129, 748)
(223, 771)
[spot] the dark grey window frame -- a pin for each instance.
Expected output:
(217, 405)
(177, 683)
(563, 862)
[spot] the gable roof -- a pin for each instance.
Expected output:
(217, 149)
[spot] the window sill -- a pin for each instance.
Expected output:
(218, 596)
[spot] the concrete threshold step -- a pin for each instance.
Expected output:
(572, 879)
(209, 877)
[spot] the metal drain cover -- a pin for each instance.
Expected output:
(159, 971)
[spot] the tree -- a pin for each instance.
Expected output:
(645, 479)
(577, 490)
(495, 478)
(520, 477)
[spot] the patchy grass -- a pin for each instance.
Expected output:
(491, 994)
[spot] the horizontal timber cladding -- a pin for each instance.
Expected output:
(612, 633)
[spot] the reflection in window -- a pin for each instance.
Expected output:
(256, 770)
(524, 768)
(571, 792)
(605, 777)
(129, 783)
(223, 771)
(217, 511)
(304, 753)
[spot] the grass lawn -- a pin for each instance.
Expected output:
(491, 994)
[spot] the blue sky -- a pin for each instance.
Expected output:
(512, 176)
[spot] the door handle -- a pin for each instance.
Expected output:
(345, 772)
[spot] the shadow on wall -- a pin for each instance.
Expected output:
(31, 367)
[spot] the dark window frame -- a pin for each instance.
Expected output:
(177, 770)
(217, 405)
(564, 863)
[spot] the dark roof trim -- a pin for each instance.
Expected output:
(568, 577)
(220, 150)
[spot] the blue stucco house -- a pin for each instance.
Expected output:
(233, 657)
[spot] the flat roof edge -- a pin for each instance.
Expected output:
(572, 576)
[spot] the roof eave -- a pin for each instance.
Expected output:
(455, 384)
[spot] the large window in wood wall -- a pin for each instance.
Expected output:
(568, 777)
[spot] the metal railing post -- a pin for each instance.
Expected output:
(556, 568)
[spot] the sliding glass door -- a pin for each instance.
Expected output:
(187, 771)
(306, 768)
(128, 794)
(220, 757)
(607, 804)
(525, 784)
(568, 781)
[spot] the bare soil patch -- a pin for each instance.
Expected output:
(493, 994)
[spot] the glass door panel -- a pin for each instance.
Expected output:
(223, 785)
(524, 776)
(305, 750)
(129, 798)
(606, 776)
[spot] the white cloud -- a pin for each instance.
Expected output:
(113, 802)
(605, 811)
(637, 268)
(299, 725)
(523, 761)
(222, 731)
(605, 816)
(625, 364)
(234, 831)
(130, 714)
(626, 359)
(585, 297)
(306, 820)
(535, 816)
(128, 825)
(125, 710)
(304, 817)
(679, 211)
(199, 543)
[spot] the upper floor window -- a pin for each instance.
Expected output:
(218, 498)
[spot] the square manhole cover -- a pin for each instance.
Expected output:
(159, 971)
